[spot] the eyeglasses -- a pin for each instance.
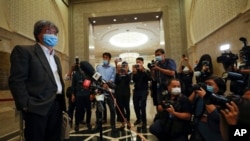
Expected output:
(51, 31)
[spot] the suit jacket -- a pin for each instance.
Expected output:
(31, 80)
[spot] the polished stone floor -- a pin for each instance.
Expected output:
(135, 133)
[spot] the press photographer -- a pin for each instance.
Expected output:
(140, 77)
(239, 75)
(162, 70)
(122, 93)
(204, 68)
(81, 96)
(173, 120)
(206, 117)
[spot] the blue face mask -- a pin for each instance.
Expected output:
(158, 58)
(50, 40)
(105, 62)
(210, 88)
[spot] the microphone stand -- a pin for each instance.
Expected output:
(100, 109)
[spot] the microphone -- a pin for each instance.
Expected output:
(87, 84)
(90, 71)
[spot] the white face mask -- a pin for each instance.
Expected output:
(186, 70)
(176, 91)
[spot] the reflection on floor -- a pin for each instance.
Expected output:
(135, 133)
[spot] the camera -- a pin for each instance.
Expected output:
(198, 86)
(152, 64)
(166, 104)
(227, 59)
(137, 66)
(123, 68)
(220, 100)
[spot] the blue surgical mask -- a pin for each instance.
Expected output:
(210, 88)
(105, 62)
(50, 40)
(158, 58)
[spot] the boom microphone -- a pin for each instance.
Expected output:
(89, 70)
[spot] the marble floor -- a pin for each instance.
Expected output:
(135, 133)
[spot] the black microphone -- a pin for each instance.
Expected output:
(90, 71)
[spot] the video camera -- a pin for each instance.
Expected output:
(245, 52)
(227, 59)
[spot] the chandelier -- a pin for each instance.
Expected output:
(130, 57)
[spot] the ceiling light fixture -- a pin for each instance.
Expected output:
(129, 56)
(128, 39)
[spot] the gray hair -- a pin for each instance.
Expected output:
(38, 26)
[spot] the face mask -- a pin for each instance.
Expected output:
(185, 70)
(105, 62)
(176, 91)
(50, 40)
(158, 58)
(210, 89)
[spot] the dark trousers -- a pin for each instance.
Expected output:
(82, 103)
(111, 106)
(71, 108)
(44, 128)
(124, 109)
(159, 129)
(139, 100)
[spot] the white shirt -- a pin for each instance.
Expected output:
(50, 57)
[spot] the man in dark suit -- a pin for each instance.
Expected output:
(37, 85)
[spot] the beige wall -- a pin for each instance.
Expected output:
(173, 20)
(16, 27)
(209, 24)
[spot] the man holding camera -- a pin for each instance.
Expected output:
(176, 113)
(162, 70)
(206, 114)
(140, 77)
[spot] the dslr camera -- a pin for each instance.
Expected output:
(220, 100)
(166, 104)
(152, 64)
(137, 66)
(198, 86)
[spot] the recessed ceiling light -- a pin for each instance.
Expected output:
(114, 20)
(94, 21)
(135, 18)
(128, 39)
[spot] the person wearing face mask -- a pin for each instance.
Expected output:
(140, 77)
(185, 74)
(162, 71)
(206, 121)
(37, 86)
(108, 73)
(176, 113)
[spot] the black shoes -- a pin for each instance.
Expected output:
(113, 128)
(144, 125)
(89, 126)
(137, 122)
(77, 128)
